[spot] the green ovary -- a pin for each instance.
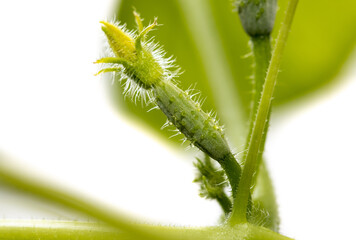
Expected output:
(197, 126)
(146, 71)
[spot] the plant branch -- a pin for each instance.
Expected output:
(261, 47)
(233, 172)
(73, 230)
(28, 184)
(241, 201)
(225, 203)
(212, 183)
(59, 230)
(111, 225)
(76, 230)
(263, 197)
(261, 233)
(261, 183)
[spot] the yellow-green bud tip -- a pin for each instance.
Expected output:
(121, 43)
(136, 58)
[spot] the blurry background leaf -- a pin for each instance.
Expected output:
(322, 38)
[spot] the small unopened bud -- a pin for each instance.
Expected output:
(136, 56)
(121, 43)
(257, 16)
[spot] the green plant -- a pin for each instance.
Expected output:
(139, 64)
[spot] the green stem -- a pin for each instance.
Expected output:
(113, 226)
(225, 203)
(233, 172)
(63, 230)
(263, 196)
(68, 230)
(261, 47)
(261, 233)
(40, 189)
(58, 230)
(241, 201)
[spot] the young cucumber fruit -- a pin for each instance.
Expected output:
(143, 66)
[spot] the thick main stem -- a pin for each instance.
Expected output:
(241, 201)
(59, 230)
(73, 230)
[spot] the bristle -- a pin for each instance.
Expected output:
(152, 108)
(166, 124)
(176, 134)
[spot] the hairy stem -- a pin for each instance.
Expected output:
(260, 233)
(233, 172)
(261, 47)
(225, 203)
(72, 230)
(241, 201)
(263, 197)
(63, 230)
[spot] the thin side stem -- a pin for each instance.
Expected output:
(233, 172)
(261, 48)
(225, 203)
(241, 201)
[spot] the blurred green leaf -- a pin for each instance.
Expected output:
(322, 38)
(206, 38)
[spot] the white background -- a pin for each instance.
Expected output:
(57, 121)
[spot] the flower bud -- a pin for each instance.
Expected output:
(141, 62)
(121, 43)
(136, 56)
(257, 16)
